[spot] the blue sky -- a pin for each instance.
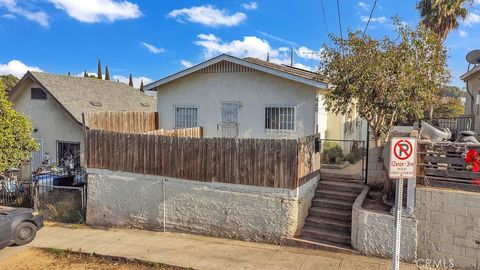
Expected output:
(152, 39)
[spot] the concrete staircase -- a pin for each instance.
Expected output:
(329, 219)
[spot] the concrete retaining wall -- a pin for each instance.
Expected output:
(372, 232)
(448, 226)
(118, 199)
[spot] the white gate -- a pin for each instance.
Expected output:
(37, 157)
(229, 124)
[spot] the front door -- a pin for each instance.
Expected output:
(229, 124)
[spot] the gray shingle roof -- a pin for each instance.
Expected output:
(76, 94)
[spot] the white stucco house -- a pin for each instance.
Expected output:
(55, 103)
(472, 99)
(247, 98)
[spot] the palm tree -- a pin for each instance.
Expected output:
(441, 16)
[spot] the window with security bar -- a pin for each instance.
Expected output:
(230, 112)
(186, 117)
(280, 118)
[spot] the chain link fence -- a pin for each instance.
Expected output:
(61, 203)
(343, 159)
(58, 196)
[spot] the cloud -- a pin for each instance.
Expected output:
(207, 15)
(93, 11)
(9, 16)
(363, 6)
(39, 17)
(250, 6)
(382, 19)
(186, 63)
(249, 46)
(153, 49)
(16, 68)
(136, 80)
(471, 19)
(463, 33)
(270, 36)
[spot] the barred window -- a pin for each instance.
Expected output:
(280, 118)
(186, 117)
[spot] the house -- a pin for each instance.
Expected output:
(55, 103)
(472, 102)
(247, 98)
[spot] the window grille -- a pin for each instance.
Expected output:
(280, 118)
(186, 117)
(230, 112)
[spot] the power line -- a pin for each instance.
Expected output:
(370, 17)
(325, 22)
(339, 20)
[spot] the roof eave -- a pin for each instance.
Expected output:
(470, 73)
(317, 84)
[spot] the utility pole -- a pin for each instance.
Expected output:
(291, 56)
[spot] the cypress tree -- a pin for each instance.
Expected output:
(141, 86)
(130, 81)
(85, 74)
(99, 71)
(107, 74)
(69, 74)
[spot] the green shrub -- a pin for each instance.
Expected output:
(332, 153)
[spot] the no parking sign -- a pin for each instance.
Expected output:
(403, 153)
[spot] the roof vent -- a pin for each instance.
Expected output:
(144, 104)
(96, 103)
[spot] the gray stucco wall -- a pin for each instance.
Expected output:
(51, 121)
(373, 232)
(118, 199)
(448, 226)
(254, 91)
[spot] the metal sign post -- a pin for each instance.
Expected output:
(402, 165)
(398, 225)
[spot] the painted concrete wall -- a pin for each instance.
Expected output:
(51, 121)
(117, 199)
(448, 226)
(254, 90)
(373, 231)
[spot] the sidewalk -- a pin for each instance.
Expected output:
(199, 252)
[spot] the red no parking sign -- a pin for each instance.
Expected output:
(402, 158)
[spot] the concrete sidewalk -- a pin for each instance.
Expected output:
(199, 252)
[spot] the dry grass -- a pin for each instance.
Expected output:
(57, 259)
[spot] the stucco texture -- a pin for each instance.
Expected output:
(118, 199)
(51, 121)
(253, 90)
(373, 232)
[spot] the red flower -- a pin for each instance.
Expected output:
(472, 158)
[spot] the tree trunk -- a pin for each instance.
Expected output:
(387, 183)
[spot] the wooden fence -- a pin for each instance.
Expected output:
(128, 122)
(195, 132)
(443, 164)
(257, 162)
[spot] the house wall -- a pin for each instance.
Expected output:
(255, 91)
(51, 121)
(215, 209)
(448, 227)
(474, 88)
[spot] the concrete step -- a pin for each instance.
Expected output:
(336, 214)
(327, 223)
(332, 204)
(338, 195)
(340, 186)
(310, 243)
(326, 235)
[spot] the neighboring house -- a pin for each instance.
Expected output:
(246, 98)
(472, 102)
(55, 103)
